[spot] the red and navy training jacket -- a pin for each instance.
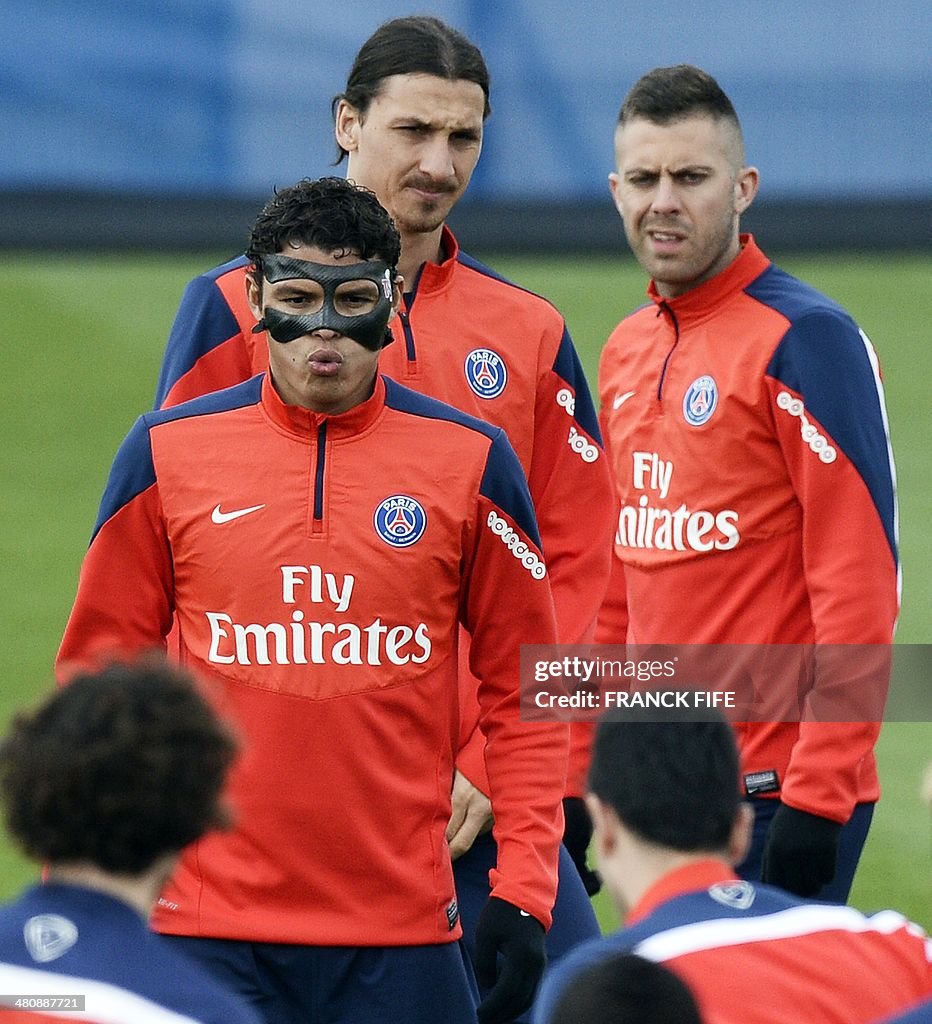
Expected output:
(318, 569)
(748, 440)
(61, 940)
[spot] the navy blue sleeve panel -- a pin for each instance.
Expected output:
(135, 973)
(486, 271)
(738, 900)
(578, 960)
(133, 470)
(568, 367)
(826, 359)
(504, 484)
(131, 473)
(248, 392)
(922, 1014)
(203, 321)
(403, 399)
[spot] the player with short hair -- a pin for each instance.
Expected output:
(410, 124)
(105, 783)
(670, 823)
(321, 534)
(744, 416)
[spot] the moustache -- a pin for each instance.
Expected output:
(430, 185)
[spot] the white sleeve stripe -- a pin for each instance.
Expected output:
(785, 924)
(878, 383)
(104, 1003)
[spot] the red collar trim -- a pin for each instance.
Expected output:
(304, 423)
(434, 276)
(692, 877)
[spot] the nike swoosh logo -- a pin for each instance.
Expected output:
(621, 399)
(225, 517)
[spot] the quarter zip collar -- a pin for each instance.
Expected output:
(706, 299)
(434, 277)
(430, 278)
(305, 423)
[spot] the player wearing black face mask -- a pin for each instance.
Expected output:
(354, 300)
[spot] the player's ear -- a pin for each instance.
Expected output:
(613, 185)
(346, 124)
(603, 819)
(254, 292)
(397, 293)
(747, 183)
(739, 841)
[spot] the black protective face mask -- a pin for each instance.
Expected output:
(342, 285)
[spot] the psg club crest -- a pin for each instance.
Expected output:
(700, 401)
(400, 521)
(486, 372)
(735, 895)
(49, 936)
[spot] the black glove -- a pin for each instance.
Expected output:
(801, 851)
(577, 833)
(518, 938)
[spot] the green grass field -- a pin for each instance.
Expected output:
(84, 341)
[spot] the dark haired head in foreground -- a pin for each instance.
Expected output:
(662, 794)
(626, 989)
(649, 772)
(105, 782)
(117, 770)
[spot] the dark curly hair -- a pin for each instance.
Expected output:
(414, 45)
(330, 213)
(117, 769)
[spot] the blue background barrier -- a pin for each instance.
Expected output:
(228, 98)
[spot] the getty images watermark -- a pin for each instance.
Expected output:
(744, 682)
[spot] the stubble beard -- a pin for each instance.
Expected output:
(684, 273)
(422, 218)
